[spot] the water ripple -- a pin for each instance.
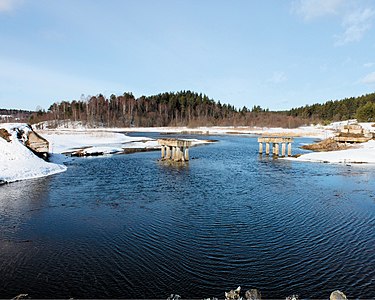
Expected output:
(131, 227)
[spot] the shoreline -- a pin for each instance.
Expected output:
(19, 163)
(358, 154)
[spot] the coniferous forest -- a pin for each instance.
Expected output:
(183, 108)
(361, 108)
(187, 108)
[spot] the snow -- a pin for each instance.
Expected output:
(362, 153)
(17, 162)
(106, 141)
(113, 140)
(65, 141)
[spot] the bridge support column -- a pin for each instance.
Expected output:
(267, 148)
(174, 149)
(177, 154)
(276, 152)
(173, 153)
(275, 142)
(283, 146)
(260, 148)
(168, 152)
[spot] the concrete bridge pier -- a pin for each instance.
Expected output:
(174, 149)
(283, 146)
(267, 148)
(260, 148)
(168, 152)
(276, 141)
(178, 154)
(276, 146)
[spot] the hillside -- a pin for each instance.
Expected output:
(361, 108)
(187, 108)
(183, 108)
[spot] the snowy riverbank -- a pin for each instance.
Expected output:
(106, 141)
(65, 139)
(17, 162)
(358, 154)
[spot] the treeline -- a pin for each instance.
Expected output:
(13, 115)
(361, 108)
(187, 108)
(183, 108)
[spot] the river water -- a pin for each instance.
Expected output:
(129, 226)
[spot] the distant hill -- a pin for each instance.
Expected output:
(187, 108)
(184, 108)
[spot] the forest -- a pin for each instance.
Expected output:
(361, 108)
(184, 108)
(12, 115)
(187, 108)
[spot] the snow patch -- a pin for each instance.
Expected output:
(363, 153)
(17, 162)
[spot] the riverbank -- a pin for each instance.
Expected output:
(64, 139)
(139, 217)
(17, 162)
(358, 154)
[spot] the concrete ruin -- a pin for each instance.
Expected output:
(352, 133)
(174, 149)
(274, 143)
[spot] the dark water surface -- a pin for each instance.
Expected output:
(128, 226)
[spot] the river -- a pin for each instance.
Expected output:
(130, 226)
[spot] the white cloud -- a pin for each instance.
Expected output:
(369, 65)
(356, 16)
(278, 77)
(9, 5)
(369, 78)
(355, 26)
(311, 9)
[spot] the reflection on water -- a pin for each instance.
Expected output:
(131, 226)
(20, 201)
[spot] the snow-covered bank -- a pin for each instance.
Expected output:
(314, 131)
(306, 131)
(362, 153)
(17, 162)
(113, 140)
(104, 141)
(66, 141)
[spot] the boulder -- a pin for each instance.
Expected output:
(253, 294)
(233, 294)
(337, 295)
(5, 134)
(325, 145)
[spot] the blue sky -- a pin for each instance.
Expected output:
(277, 54)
